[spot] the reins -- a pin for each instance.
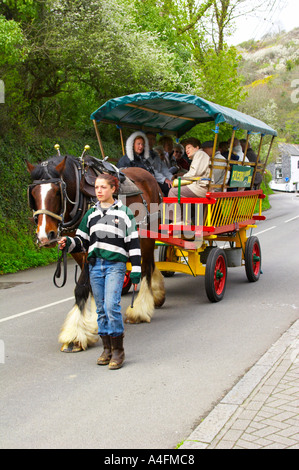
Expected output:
(62, 257)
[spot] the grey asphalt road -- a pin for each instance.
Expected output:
(177, 367)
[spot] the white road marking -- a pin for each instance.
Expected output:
(17, 315)
(289, 220)
(267, 229)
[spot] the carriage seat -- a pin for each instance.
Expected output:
(94, 168)
(128, 188)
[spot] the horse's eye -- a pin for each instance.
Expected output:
(35, 218)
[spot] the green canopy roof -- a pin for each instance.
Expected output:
(174, 113)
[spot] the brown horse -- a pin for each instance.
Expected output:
(58, 206)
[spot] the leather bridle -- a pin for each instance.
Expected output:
(63, 196)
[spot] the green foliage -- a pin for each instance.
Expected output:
(13, 179)
(21, 10)
(18, 250)
(249, 45)
(77, 55)
(219, 80)
(266, 181)
(267, 191)
(11, 42)
(292, 127)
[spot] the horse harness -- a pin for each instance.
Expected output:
(86, 171)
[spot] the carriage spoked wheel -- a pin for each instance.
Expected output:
(253, 259)
(216, 275)
(167, 253)
(127, 283)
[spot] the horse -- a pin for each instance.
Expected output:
(59, 203)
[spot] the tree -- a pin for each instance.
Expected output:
(218, 76)
(12, 48)
(89, 50)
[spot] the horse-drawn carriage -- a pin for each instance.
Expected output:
(197, 245)
(224, 216)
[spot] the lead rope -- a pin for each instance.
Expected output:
(62, 256)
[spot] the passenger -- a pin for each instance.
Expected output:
(160, 151)
(183, 143)
(200, 166)
(237, 150)
(224, 149)
(252, 157)
(137, 153)
(182, 161)
(152, 140)
(219, 174)
(167, 144)
(163, 174)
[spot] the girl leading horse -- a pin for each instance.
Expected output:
(58, 207)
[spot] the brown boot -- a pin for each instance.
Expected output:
(118, 353)
(105, 357)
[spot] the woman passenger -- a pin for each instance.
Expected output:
(200, 155)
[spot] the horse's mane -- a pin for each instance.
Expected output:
(44, 172)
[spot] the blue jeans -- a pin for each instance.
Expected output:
(106, 279)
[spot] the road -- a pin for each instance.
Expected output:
(177, 367)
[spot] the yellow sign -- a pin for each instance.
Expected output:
(241, 176)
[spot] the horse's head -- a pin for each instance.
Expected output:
(46, 199)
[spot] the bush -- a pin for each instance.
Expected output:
(18, 251)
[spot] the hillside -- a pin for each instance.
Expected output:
(270, 56)
(270, 68)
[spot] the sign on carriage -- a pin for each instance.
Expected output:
(241, 176)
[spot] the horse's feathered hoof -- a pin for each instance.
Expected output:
(71, 348)
(133, 322)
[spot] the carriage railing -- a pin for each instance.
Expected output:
(217, 216)
(229, 168)
(234, 209)
(257, 167)
(221, 209)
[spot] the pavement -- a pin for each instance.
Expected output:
(262, 409)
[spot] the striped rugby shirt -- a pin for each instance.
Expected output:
(110, 234)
